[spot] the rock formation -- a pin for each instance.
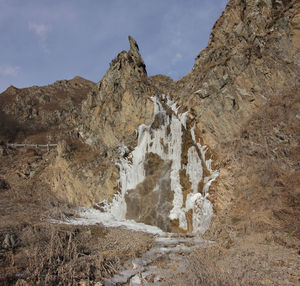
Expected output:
(215, 153)
(250, 65)
(252, 54)
(42, 114)
(252, 57)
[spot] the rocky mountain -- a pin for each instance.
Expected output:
(42, 114)
(215, 153)
(252, 60)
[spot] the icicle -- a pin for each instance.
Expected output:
(194, 168)
(203, 211)
(166, 142)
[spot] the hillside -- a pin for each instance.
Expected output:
(215, 154)
(36, 111)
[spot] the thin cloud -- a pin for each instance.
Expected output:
(9, 70)
(164, 31)
(41, 30)
(178, 57)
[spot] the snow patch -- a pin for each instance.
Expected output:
(89, 216)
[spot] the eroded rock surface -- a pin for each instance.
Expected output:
(242, 100)
(252, 59)
(44, 114)
(151, 202)
(119, 103)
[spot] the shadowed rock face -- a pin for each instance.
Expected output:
(135, 57)
(43, 114)
(151, 201)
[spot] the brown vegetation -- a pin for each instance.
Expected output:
(46, 254)
(247, 265)
(35, 252)
(236, 95)
(266, 164)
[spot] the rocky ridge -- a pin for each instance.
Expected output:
(252, 57)
(242, 96)
(44, 114)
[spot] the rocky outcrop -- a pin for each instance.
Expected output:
(44, 114)
(252, 59)
(252, 54)
(114, 109)
(81, 176)
(119, 103)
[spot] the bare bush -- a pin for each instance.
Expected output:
(209, 267)
(62, 257)
(9, 127)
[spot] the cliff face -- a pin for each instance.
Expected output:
(241, 99)
(119, 103)
(251, 61)
(249, 76)
(252, 54)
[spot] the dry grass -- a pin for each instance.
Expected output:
(206, 269)
(43, 254)
(265, 182)
(250, 264)
(52, 255)
(271, 159)
(46, 254)
(63, 257)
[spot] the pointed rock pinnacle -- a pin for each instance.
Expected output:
(134, 53)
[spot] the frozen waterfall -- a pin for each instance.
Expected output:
(166, 141)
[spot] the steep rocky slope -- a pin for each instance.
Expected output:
(250, 73)
(47, 112)
(128, 142)
(252, 59)
(252, 54)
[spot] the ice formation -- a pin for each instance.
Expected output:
(132, 170)
(165, 141)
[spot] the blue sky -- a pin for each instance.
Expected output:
(47, 40)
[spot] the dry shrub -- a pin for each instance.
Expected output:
(207, 267)
(12, 129)
(264, 162)
(9, 127)
(63, 257)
